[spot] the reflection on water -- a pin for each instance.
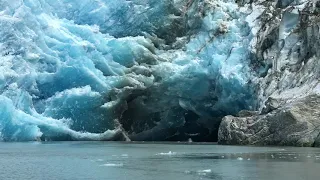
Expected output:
(143, 161)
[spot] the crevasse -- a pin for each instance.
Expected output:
(105, 69)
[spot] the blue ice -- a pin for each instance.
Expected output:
(69, 69)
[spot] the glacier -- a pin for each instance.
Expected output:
(122, 70)
(286, 49)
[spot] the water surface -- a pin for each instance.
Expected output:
(147, 161)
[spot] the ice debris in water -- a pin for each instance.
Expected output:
(205, 171)
(199, 172)
(170, 153)
(240, 158)
(69, 69)
(112, 165)
(124, 155)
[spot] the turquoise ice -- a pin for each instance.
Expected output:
(94, 69)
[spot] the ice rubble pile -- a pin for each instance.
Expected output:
(104, 69)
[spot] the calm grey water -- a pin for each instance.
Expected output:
(146, 161)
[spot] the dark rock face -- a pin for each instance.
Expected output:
(294, 124)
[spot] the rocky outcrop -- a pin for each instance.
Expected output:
(294, 124)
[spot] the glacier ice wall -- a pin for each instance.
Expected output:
(118, 69)
(288, 49)
(286, 56)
